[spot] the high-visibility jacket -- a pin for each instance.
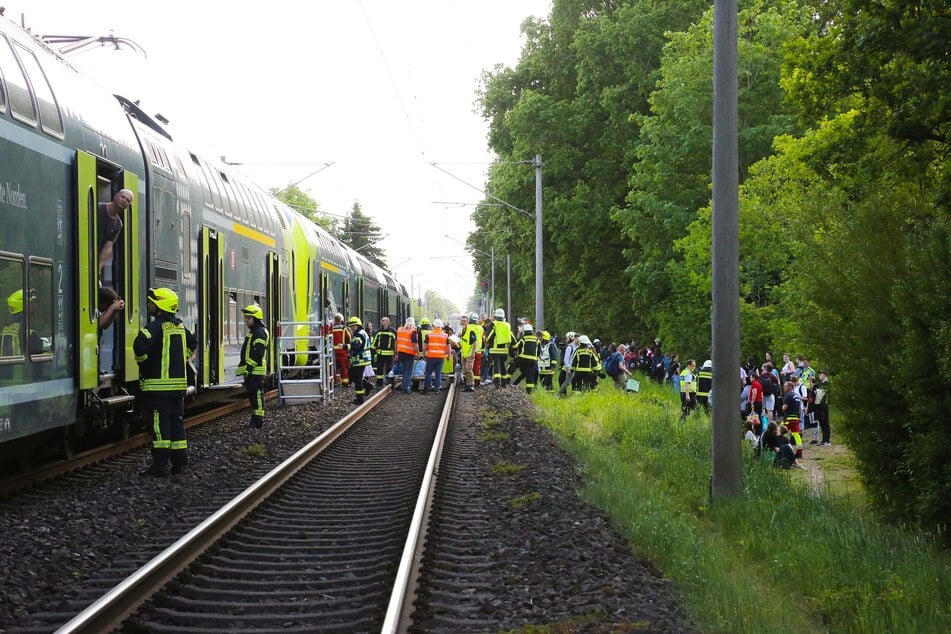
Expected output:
(253, 357)
(384, 342)
(162, 350)
(585, 361)
(421, 335)
(500, 337)
(404, 340)
(360, 353)
(687, 382)
(469, 341)
(480, 337)
(704, 382)
(437, 344)
(341, 336)
(527, 348)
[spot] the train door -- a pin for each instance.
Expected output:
(360, 303)
(211, 313)
(108, 353)
(273, 307)
(345, 300)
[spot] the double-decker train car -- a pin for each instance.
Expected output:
(194, 226)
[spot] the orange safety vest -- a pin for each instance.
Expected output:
(404, 340)
(437, 345)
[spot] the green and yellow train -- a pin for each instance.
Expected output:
(194, 226)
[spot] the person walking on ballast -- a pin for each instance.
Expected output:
(253, 365)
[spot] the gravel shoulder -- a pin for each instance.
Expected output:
(554, 560)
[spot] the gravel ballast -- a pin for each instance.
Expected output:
(551, 558)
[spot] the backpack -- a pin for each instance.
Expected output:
(611, 365)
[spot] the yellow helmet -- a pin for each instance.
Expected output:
(164, 299)
(15, 300)
(354, 321)
(546, 336)
(253, 310)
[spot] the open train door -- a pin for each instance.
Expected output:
(97, 178)
(273, 308)
(212, 294)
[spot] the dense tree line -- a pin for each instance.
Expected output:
(845, 112)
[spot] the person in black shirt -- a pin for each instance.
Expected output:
(109, 221)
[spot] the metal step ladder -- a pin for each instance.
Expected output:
(305, 370)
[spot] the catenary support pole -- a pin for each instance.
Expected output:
(539, 259)
(726, 480)
(508, 284)
(492, 305)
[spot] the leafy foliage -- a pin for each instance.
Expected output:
(302, 202)
(844, 115)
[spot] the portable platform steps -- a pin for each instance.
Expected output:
(305, 369)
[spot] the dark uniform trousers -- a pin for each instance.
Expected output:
(254, 387)
(382, 366)
(168, 428)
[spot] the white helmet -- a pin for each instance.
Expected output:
(499, 313)
(708, 363)
(528, 328)
(585, 341)
(473, 316)
(570, 335)
(437, 323)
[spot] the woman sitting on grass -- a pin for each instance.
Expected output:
(775, 439)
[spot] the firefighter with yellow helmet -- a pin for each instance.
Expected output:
(11, 337)
(253, 364)
(162, 350)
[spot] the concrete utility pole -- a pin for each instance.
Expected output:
(539, 260)
(727, 479)
(508, 284)
(492, 258)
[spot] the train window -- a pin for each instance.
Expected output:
(253, 212)
(187, 246)
(11, 335)
(39, 318)
(3, 93)
(214, 187)
(21, 103)
(206, 186)
(219, 187)
(50, 118)
(231, 320)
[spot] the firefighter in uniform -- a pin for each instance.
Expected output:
(498, 343)
(162, 350)
(705, 384)
(586, 365)
(253, 364)
(11, 336)
(384, 346)
(468, 349)
(478, 348)
(526, 356)
(341, 343)
(547, 360)
(360, 355)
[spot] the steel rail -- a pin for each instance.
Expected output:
(108, 612)
(98, 454)
(399, 609)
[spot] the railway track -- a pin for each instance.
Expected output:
(48, 471)
(328, 540)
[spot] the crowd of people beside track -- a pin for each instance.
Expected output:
(777, 403)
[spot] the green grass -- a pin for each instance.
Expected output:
(786, 556)
(257, 451)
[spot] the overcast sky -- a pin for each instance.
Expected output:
(379, 88)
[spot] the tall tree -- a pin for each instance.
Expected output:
(670, 181)
(570, 98)
(363, 235)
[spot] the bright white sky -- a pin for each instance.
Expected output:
(379, 88)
